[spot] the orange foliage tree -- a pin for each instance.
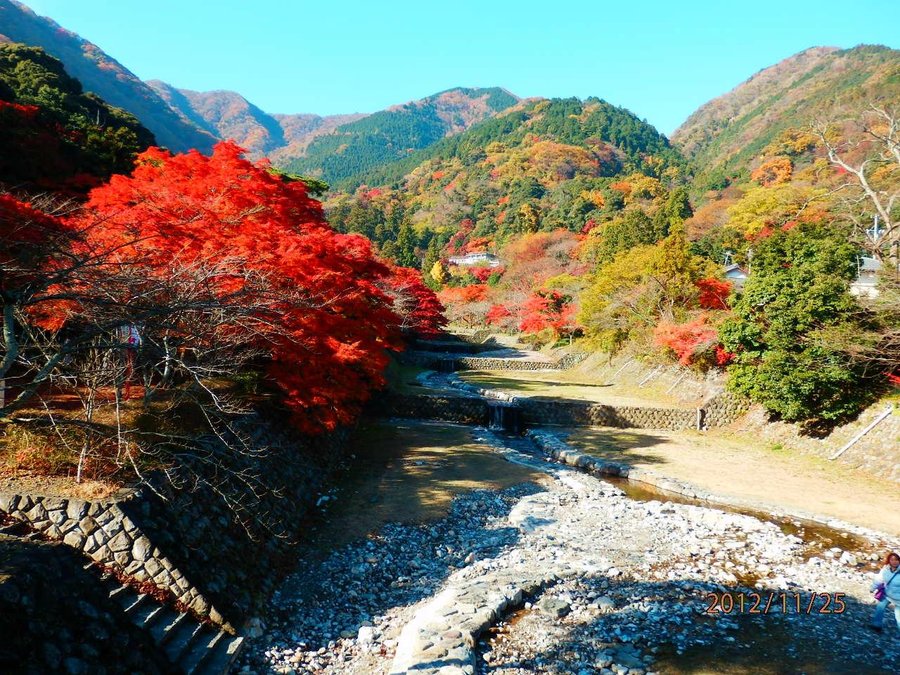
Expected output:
(773, 171)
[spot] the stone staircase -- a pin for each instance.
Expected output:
(195, 648)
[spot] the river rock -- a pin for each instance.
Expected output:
(554, 607)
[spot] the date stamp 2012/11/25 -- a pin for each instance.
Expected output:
(773, 602)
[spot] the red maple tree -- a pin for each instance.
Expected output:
(713, 293)
(418, 306)
(548, 309)
(321, 317)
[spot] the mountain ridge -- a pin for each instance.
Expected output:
(229, 115)
(391, 134)
(725, 133)
(101, 74)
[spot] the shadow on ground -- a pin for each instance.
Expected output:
(620, 445)
(422, 501)
(667, 623)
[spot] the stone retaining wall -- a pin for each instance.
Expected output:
(56, 617)
(723, 409)
(575, 413)
(449, 362)
(571, 359)
(214, 531)
(539, 412)
(102, 531)
(458, 409)
(487, 363)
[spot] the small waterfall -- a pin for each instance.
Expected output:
(446, 366)
(504, 417)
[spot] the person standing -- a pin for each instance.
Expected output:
(887, 590)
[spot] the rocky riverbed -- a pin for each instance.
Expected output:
(569, 575)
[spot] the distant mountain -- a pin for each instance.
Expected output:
(228, 115)
(300, 130)
(395, 133)
(618, 139)
(100, 73)
(723, 135)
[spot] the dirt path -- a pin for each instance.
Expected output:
(748, 470)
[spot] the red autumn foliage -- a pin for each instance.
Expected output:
(482, 274)
(418, 306)
(32, 248)
(497, 313)
(688, 340)
(548, 309)
(722, 356)
(457, 243)
(324, 322)
(713, 293)
(478, 244)
(371, 194)
(534, 258)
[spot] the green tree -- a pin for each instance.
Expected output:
(798, 288)
(631, 228)
(405, 247)
(675, 210)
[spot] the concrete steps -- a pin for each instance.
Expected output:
(195, 648)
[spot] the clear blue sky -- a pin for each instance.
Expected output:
(659, 58)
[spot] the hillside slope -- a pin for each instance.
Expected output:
(228, 115)
(53, 136)
(824, 83)
(100, 73)
(394, 133)
(541, 166)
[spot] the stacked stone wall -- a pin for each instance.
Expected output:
(723, 409)
(56, 617)
(103, 532)
(458, 409)
(213, 532)
(487, 363)
(571, 413)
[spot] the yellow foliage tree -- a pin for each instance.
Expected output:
(439, 273)
(774, 206)
(640, 286)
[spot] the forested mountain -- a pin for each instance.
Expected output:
(393, 134)
(52, 134)
(821, 83)
(544, 165)
(228, 115)
(100, 73)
